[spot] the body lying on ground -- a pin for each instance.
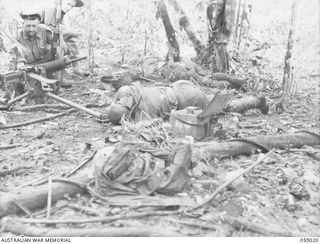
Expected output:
(154, 69)
(157, 102)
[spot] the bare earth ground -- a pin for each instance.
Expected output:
(264, 196)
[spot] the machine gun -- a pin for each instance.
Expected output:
(45, 86)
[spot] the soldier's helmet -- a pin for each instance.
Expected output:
(79, 4)
(30, 14)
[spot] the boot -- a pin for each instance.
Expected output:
(66, 83)
(62, 82)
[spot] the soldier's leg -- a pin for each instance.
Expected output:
(73, 52)
(59, 75)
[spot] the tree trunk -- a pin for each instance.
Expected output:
(90, 43)
(287, 72)
(220, 15)
(174, 49)
(243, 16)
(186, 25)
(288, 57)
(237, 21)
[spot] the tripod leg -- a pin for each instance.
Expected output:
(16, 99)
(74, 105)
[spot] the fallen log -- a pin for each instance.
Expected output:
(10, 225)
(34, 198)
(250, 145)
(243, 104)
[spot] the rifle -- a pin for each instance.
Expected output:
(57, 32)
(38, 73)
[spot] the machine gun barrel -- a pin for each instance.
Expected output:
(58, 64)
(78, 59)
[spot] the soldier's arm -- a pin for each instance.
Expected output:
(17, 54)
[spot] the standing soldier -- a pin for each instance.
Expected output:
(49, 16)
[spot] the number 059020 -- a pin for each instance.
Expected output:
(306, 239)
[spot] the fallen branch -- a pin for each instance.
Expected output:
(61, 106)
(40, 106)
(220, 188)
(242, 224)
(10, 225)
(98, 219)
(197, 225)
(23, 208)
(53, 209)
(84, 209)
(10, 146)
(63, 180)
(15, 170)
(85, 161)
(30, 122)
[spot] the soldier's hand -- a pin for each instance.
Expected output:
(56, 30)
(20, 65)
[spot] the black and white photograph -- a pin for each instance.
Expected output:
(159, 118)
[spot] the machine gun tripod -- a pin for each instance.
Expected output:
(43, 86)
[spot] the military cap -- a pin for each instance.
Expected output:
(30, 14)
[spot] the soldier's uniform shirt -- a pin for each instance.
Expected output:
(158, 102)
(37, 49)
